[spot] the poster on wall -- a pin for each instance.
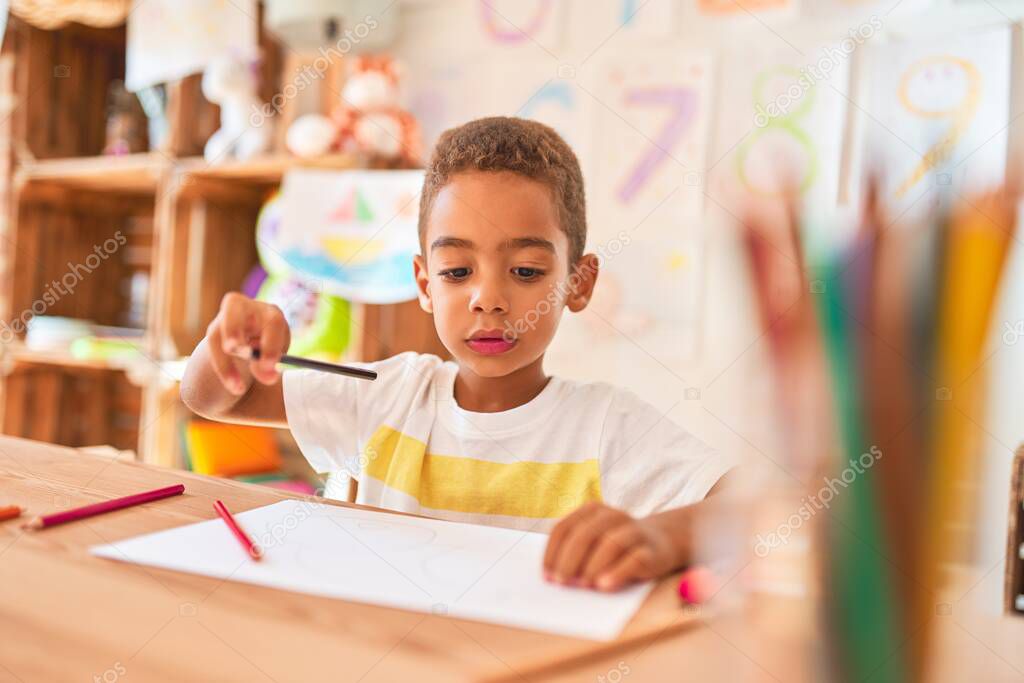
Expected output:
(781, 123)
(649, 292)
(442, 95)
(740, 9)
(863, 10)
(536, 24)
(597, 24)
(646, 313)
(938, 116)
(542, 90)
(170, 39)
(653, 110)
(352, 234)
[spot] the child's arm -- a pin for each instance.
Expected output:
(601, 547)
(220, 385)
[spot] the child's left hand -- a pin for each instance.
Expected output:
(601, 547)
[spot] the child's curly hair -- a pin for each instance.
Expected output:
(504, 143)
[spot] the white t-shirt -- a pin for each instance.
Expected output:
(412, 448)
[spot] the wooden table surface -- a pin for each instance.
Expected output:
(65, 615)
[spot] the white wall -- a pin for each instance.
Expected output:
(456, 73)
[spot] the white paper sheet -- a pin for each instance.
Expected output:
(655, 110)
(170, 39)
(782, 114)
(424, 565)
(938, 118)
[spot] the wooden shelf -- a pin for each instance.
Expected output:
(129, 174)
(141, 173)
(19, 353)
(263, 170)
(189, 225)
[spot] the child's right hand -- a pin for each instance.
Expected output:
(241, 325)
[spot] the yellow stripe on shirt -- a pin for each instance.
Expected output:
(460, 484)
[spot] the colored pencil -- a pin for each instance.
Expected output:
(979, 237)
(251, 548)
(9, 512)
(903, 318)
(859, 583)
(346, 370)
(56, 518)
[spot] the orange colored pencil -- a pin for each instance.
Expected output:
(10, 512)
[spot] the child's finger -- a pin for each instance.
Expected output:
(632, 566)
(273, 343)
(579, 542)
(223, 365)
(235, 321)
(558, 534)
(608, 549)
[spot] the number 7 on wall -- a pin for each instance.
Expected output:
(682, 104)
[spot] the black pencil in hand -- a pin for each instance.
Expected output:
(321, 366)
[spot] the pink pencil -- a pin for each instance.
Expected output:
(106, 506)
(251, 548)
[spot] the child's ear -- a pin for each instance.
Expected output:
(419, 267)
(581, 282)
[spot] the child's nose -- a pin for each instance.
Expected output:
(489, 297)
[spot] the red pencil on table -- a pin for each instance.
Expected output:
(251, 548)
(56, 518)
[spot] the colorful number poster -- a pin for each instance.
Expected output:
(781, 122)
(558, 103)
(939, 115)
(439, 98)
(741, 8)
(170, 39)
(596, 21)
(863, 9)
(349, 233)
(514, 23)
(653, 110)
(646, 308)
(649, 293)
(540, 90)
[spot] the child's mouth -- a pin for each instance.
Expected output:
(490, 342)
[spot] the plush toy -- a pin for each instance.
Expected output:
(368, 121)
(230, 83)
(311, 135)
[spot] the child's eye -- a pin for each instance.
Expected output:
(524, 273)
(454, 274)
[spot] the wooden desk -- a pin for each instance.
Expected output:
(65, 615)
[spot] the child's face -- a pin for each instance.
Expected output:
(495, 271)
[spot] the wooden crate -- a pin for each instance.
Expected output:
(75, 255)
(214, 247)
(61, 80)
(71, 406)
(212, 226)
(388, 330)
